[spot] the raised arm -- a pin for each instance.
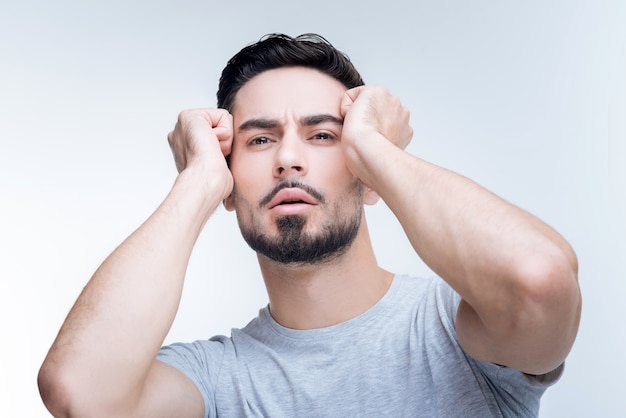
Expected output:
(517, 276)
(102, 362)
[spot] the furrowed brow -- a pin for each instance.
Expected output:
(258, 124)
(319, 119)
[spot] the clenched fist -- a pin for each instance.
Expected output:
(372, 118)
(200, 142)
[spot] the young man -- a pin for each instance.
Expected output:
(306, 145)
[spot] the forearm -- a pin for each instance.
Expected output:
(112, 334)
(516, 275)
(465, 233)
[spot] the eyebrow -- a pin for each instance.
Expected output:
(318, 119)
(258, 124)
(312, 120)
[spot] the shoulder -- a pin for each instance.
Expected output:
(200, 361)
(431, 295)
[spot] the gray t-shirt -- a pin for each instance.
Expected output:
(400, 358)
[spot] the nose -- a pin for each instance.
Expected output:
(290, 157)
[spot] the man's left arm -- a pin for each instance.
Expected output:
(516, 275)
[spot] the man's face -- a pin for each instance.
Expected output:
(295, 198)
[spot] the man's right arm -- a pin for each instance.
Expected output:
(102, 363)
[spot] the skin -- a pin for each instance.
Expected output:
(516, 276)
(303, 296)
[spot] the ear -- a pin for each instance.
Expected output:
(370, 197)
(229, 203)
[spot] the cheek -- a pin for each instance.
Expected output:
(335, 173)
(251, 181)
(245, 170)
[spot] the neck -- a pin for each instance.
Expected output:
(325, 294)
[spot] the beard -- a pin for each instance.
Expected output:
(294, 245)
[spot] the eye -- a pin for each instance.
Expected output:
(323, 137)
(259, 140)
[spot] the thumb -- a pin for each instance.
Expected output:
(348, 99)
(221, 123)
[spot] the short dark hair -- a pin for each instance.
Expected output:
(278, 50)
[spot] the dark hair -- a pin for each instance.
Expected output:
(276, 51)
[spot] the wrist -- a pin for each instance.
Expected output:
(201, 191)
(370, 157)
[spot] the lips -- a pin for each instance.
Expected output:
(290, 196)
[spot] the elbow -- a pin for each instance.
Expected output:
(54, 390)
(63, 393)
(550, 309)
(531, 321)
(67, 391)
(550, 280)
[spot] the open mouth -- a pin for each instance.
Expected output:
(292, 196)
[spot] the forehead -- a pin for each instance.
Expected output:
(281, 92)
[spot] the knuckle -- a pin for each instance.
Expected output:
(185, 115)
(182, 116)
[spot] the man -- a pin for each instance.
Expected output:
(306, 145)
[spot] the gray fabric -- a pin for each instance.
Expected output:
(399, 359)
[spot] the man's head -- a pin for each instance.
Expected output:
(296, 199)
(277, 51)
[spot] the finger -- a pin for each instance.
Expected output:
(353, 93)
(223, 130)
(221, 122)
(225, 139)
(223, 133)
(226, 147)
(348, 99)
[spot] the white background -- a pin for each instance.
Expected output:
(528, 98)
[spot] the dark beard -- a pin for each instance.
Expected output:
(293, 246)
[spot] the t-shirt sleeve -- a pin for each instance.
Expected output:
(514, 390)
(201, 362)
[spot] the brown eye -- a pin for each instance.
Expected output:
(261, 140)
(323, 136)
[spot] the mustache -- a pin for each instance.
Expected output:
(291, 184)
